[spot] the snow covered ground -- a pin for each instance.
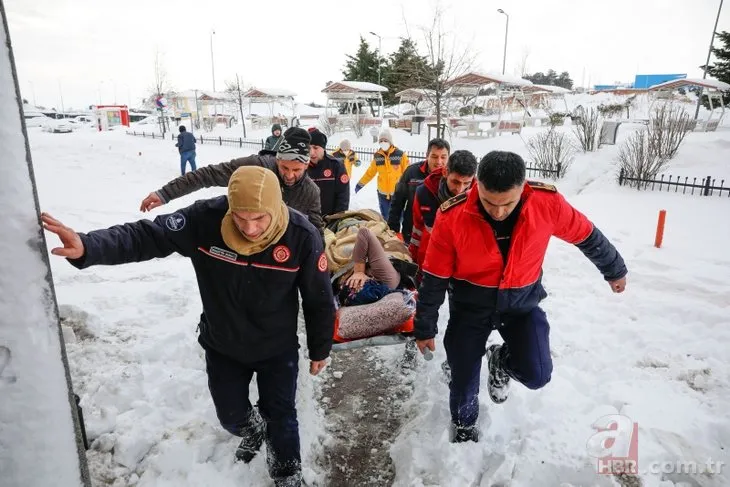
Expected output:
(657, 353)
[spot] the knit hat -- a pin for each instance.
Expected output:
(385, 134)
(318, 138)
(345, 145)
(293, 145)
(275, 127)
(254, 189)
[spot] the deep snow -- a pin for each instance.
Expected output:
(656, 353)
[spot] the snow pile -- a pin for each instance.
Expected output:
(37, 437)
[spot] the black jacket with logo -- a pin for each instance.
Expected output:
(402, 204)
(334, 184)
(250, 303)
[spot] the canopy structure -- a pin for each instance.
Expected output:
(510, 90)
(714, 89)
(270, 97)
(544, 92)
(415, 96)
(353, 92)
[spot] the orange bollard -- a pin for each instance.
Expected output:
(660, 229)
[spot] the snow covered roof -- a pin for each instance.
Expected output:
(558, 90)
(709, 83)
(202, 95)
(268, 93)
(354, 87)
(414, 93)
(479, 79)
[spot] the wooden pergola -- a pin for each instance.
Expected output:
(270, 96)
(508, 88)
(714, 89)
(414, 96)
(352, 93)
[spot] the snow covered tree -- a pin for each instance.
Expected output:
(720, 70)
(551, 78)
(161, 87)
(363, 66)
(236, 90)
(445, 60)
(398, 72)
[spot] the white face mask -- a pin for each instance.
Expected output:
(384, 145)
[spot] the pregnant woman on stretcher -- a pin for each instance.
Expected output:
(373, 273)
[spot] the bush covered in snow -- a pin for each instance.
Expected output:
(585, 127)
(551, 151)
(647, 152)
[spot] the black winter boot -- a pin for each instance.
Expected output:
(498, 383)
(461, 434)
(294, 480)
(253, 437)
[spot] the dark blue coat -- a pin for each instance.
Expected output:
(250, 303)
(185, 142)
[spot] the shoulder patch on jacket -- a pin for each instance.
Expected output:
(451, 202)
(542, 186)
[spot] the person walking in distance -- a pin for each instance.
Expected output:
(186, 147)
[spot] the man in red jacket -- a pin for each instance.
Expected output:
(489, 245)
(438, 187)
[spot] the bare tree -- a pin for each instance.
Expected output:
(444, 62)
(522, 69)
(586, 125)
(552, 152)
(236, 90)
(161, 87)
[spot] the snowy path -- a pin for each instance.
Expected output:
(657, 353)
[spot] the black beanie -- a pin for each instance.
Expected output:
(318, 138)
(293, 145)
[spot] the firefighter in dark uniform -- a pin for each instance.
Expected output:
(329, 174)
(489, 244)
(252, 255)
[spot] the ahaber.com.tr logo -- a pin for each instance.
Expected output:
(615, 445)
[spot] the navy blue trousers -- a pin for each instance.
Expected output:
(228, 381)
(384, 203)
(526, 337)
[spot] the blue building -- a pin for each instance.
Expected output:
(644, 81)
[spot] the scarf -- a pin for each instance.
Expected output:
(254, 189)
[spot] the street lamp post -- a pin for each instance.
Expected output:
(380, 44)
(707, 63)
(212, 65)
(506, 30)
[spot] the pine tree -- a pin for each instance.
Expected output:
(363, 66)
(720, 70)
(398, 73)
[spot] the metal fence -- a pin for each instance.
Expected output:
(413, 156)
(706, 186)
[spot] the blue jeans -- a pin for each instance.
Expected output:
(184, 158)
(526, 337)
(384, 203)
(228, 381)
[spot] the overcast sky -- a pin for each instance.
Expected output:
(87, 49)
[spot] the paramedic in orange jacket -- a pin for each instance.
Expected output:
(389, 163)
(489, 244)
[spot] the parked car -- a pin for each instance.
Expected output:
(61, 126)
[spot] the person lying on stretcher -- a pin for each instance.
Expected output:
(373, 274)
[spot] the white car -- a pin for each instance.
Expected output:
(59, 126)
